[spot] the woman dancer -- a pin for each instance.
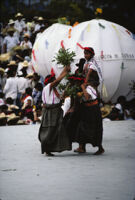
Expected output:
(52, 134)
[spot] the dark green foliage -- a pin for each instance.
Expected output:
(64, 57)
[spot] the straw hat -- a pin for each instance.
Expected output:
(2, 70)
(26, 35)
(12, 116)
(12, 107)
(10, 30)
(29, 75)
(2, 115)
(5, 57)
(25, 64)
(12, 62)
(105, 111)
(11, 21)
(18, 15)
(40, 19)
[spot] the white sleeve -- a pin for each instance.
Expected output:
(6, 86)
(92, 92)
(5, 41)
(65, 107)
(92, 66)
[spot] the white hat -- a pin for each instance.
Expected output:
(11, 21)
(18, 15)
(25, 63)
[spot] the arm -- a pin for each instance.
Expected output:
(88, 75)
(60, 77)
(86, 95)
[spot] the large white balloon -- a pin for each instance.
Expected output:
(114, 51)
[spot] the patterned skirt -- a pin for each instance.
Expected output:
(90, 128)
(52, 134)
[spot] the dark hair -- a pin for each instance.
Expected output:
(9, 100)
(90, 50)
(1, 95)
(39, 86)
(28, 91)
(80, 65)
(121, 99)
(49, 79)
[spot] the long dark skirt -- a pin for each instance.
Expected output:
(52, 134)
(90, 129)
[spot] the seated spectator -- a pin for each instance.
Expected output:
(27, 108)
(37, 94)
(26, 42)
(12, 119)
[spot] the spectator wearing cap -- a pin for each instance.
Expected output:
(26, 42)
(12, 65)
(40, 23)
(10, 41)
(11, 24)
(19, 23)
(23, 67)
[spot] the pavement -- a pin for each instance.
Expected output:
(26, 174)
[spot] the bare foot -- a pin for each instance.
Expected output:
(80, 150)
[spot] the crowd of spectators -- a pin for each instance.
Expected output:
(21, 87)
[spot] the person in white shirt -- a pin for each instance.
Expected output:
(39, 24)
(11, 24)
(10, 41)
(22, 84)
(52, 134)
(10, 89)
(26, 42)
(19, 23)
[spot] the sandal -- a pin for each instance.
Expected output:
(79, 150)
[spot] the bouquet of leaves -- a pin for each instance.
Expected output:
(64, 57)
(73, 86)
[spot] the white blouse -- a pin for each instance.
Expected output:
(92, 92)
(49, 97)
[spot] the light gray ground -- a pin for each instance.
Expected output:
(25, 174)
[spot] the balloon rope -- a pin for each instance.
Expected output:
(80, 46)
